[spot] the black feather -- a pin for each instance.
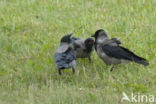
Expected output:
(123, 53)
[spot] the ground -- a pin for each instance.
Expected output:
(30, 32)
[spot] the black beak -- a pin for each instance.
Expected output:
(93, 36)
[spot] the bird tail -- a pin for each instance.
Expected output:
(140, 60)
(135, 58)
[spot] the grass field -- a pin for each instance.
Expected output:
(30, 32)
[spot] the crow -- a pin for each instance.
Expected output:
(110, 51)
(83, 47)
(65, 55)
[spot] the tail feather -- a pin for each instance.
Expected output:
(136, 58)
(140, 60)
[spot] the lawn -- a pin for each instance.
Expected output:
(30, 32)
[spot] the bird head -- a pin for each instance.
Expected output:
(89, 42)
(66, 38)
(100, 33)
(66, 43)
(100, 36)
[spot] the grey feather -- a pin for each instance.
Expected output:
(65, 55)
(110, 51)
(80, 48)
(63, 47)
(63, 60)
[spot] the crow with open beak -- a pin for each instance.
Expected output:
(83, 47)
(65, 55)
(110, 51)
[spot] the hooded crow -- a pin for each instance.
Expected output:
(110, 51)
(83, 47)
(65, 55)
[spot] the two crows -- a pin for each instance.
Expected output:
(108, 50)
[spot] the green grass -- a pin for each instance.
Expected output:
(30, 31)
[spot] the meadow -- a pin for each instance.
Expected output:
(30, 32)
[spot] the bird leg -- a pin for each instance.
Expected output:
(59, 71)
(112, 67)
(89, 58)
(73, 69)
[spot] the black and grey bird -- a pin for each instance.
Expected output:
(110, 51)
(65, 55)
(83, 47)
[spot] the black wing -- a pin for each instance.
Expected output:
(123, 53)
(117, 52)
